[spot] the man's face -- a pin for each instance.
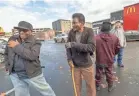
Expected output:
(76, 24)
(24, 33)
(118, 25)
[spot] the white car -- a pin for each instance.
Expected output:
(62, 38)
(3, 43)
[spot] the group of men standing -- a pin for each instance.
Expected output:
(23, 50)
(82, 44)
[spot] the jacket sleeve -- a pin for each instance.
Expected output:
(68, 50)
(117, 46)
(89, 47)
(29, 54)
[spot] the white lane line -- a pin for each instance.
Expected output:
(10, 91)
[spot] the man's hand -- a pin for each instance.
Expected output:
(12, 43)
(71, 64)
(2, 94)
(68, 45)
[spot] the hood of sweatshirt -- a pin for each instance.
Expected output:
(105, 36)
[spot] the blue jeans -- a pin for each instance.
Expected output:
(119, 57)
(39, 83)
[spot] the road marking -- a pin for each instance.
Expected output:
(7, 93)
(10, 91)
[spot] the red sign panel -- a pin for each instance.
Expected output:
(131, 17)
(2, 33)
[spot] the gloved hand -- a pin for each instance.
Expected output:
(70, 62)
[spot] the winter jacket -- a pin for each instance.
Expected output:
(107, 46)
(80, 52)
(28, 54)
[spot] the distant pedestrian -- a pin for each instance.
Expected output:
(22, 62)
(80, 45)
(119, 32)
(107, 46)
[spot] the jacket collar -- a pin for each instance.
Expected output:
(83, 34)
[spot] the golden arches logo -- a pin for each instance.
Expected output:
(131, 9)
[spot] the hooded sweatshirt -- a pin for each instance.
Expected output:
(120, 34)
(107, 46)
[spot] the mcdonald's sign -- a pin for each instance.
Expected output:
(131, 9)
(131, 17)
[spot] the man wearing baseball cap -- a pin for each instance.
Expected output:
(22, 62)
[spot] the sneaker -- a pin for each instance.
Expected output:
(98, 88)
(121, 65)
(111, 87)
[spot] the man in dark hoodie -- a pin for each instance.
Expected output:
(22, 61)
(80, 45)
(107, 46)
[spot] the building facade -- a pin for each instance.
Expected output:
(97, 25)
(88, 24)
(39, 33)
(38, 30)
(45, 35)
(64, 26)
(115, 16)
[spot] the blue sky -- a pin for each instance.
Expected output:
(41, 13)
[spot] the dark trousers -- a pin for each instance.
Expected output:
(101, 71)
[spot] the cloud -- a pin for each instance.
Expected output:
(10, 16)
(16, 10)
(92, 9)
(17, 3)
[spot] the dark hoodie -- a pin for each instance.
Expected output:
(107, 46)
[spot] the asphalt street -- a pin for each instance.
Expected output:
(58, 75)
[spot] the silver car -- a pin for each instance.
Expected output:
(61, 38)
(3, 43)
(132, 35)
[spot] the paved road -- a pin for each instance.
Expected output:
(58, 75)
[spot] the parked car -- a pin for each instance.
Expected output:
(132, 36)
(62, 38)
(3, 43)
(40, 39)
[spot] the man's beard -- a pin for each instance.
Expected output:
(76, 28)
